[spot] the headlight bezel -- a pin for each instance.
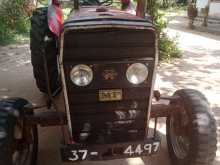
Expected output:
(139, 78)
(80, 68)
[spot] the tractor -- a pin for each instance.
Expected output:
(97, 70)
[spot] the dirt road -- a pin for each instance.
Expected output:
(199, 68)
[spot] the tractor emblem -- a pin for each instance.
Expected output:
(109, 74)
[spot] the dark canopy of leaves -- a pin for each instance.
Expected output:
(13, 19)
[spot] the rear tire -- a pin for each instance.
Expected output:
(43, 43)
(201, 138)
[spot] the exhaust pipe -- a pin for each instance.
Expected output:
(141, 8)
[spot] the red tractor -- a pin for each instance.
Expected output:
(98, 70)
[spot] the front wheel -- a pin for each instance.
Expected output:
(191, 130)
(18, 141)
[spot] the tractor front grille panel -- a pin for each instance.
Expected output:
(108, 44)
(109, 123)
(95, 121)
(112, 119)
(109, 120)
(108, 51)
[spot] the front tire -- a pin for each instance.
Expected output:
(18, 142)
(191, 132)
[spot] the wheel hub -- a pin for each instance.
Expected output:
(179, 125)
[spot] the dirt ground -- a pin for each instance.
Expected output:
(199, 68)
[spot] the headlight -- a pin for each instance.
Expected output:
(137, 73)
(81, 75)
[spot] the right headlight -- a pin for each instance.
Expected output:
(81, 75)
(137, 73)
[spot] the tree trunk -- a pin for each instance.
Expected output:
(206, 14)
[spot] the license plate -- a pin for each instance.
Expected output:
(110, 95)
(140, 149)
(129, 150)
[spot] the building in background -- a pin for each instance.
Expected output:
(214, 8)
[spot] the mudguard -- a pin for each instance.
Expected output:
(54, 17)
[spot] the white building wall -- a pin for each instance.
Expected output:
(214, 10)
(201, 4)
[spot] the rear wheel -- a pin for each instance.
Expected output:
(191, 131)
(18, 142)
(43, 44)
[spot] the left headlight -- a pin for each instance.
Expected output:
(137, 73)
(81, 75)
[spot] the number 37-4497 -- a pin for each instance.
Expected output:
(131, 150)
(140, 149)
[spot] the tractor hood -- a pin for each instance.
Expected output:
(96, 16)
(104, 33)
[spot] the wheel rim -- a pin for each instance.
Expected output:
(180, 143)
(22, 154)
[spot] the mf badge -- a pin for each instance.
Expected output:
(109, 74)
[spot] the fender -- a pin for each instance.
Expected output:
(54, 17)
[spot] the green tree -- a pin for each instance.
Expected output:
(13, 19)
(167, 47)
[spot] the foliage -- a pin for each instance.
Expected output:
(13, 20)
(166, 4)
(42, 2)
(168, 47)
(66, 12)
(179, 9)
(5, 33)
